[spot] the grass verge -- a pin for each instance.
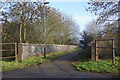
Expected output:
(98, 66)
(83, 63)
(31, 61)
(82, 56)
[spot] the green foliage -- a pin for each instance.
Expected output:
(31, 61)
(58, 54)
(34, 60)
(75, 49)
(11, 65)
(99, 66)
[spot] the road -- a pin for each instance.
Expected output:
(58, 68)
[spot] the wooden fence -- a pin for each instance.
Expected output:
(15, 49)
(113, 48)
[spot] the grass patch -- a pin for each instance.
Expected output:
(99, 66)
(82, 56)
(83, 62)
(31, 61)
(6, 65)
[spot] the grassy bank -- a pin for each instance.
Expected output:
(98, 66)
(82, 62)
(31, 61)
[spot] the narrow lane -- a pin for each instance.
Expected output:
(58, 68)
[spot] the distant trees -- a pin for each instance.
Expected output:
(108, 15)
(91, 32)
(108, 21)
(87, 38)
(24, 22)
(10, 32)
(93, 29)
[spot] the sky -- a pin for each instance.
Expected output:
(75, 9)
